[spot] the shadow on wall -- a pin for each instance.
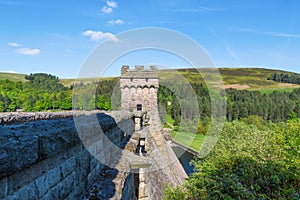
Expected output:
(45, 159)
(104, 187)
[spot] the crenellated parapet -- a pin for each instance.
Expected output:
(139, 77)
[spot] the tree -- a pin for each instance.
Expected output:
(38, 106)
(2, 109)
(247, 163)
(27, 106)
(6, 102)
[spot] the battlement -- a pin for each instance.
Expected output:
(139, 72)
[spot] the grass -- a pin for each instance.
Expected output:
(170, 119)
(238, 78)
(270, 90)
(12, 76)
(69, 82)
(189, 140)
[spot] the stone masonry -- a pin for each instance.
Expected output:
(45, 159)
(139, 88)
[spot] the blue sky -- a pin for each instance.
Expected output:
(57, 36)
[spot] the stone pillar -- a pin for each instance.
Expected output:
(137, 122)
(143, 192)
(124, 69)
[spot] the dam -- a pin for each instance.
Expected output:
(66, 156)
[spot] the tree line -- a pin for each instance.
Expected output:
(276, 106)
(42, 92)
(45, 92)
(39, 93)
(285, 78)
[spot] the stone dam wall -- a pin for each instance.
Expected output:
(42, 156)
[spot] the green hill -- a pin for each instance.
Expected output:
(67, 82)
(238, 78)
(12, 76)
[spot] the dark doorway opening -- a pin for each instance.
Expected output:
(139, 107)
(136, 180)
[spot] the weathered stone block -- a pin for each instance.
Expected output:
(82, 165)
(54, 143)
(27, 192)
(68, 167)
(41, 185)
(81, 187)
(66, 186)
(3, 188)
(17, 154)
(93, 163)
(48, 180)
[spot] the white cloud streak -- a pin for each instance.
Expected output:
(14, 44)
(10, 71)
(106, 10)
(99, 36)
(28, 51)
(116, 22)
(195, 10)
(285, 35)
(112, 4)
(232, 53)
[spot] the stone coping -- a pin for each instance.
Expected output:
(22, 117)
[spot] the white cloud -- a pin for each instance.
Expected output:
(28, 51)
(14, 44)
(10, 71)
(115, 22)
(98, 36)
(112, 4)
(286, 35)
(232, 53)
(106, 10)
(195, 10)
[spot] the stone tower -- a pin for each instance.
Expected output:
(139, 89)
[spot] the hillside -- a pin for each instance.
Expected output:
(238, 78)
(12, 76)
(68, 82)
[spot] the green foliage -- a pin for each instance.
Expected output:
(247, 163)
(285, 78)
(2, 108)
(43, 92)
(203, 126)
(258, 121)
(44, 82)
(276, 106)
(40, 93)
